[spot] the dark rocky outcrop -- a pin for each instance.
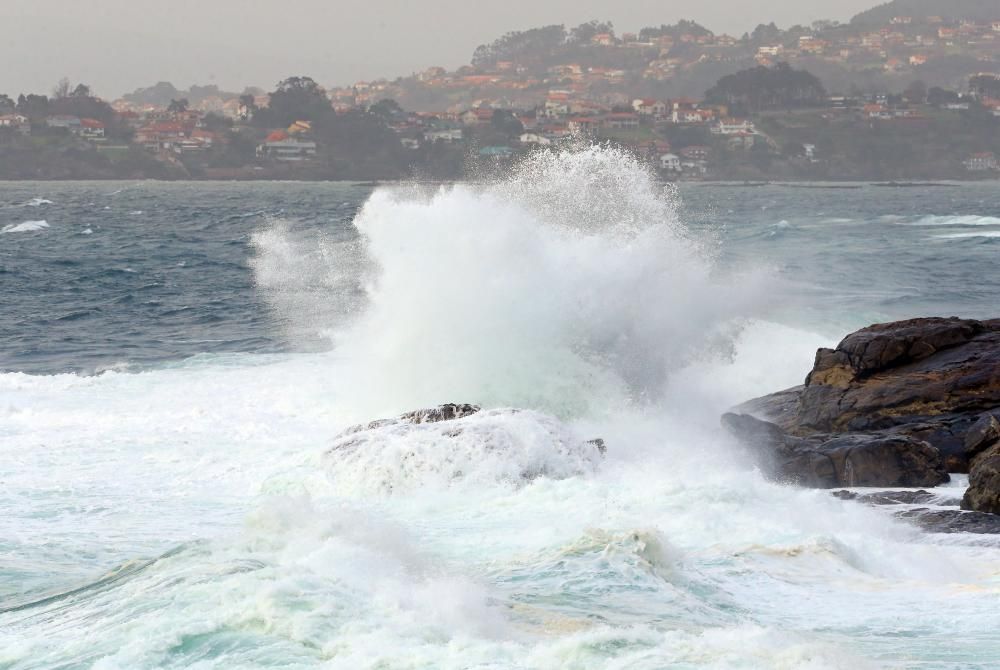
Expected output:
(886, 394)
(827, 461)
(983, 494)
(952, 520)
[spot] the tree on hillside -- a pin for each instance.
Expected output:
(682, 27)
(360, 144)
(160, 95)
(62, 89)
(386, 109)
(7, 104)
(534, 44)
(33, 106)
(506, 123)
(178, 106)
(938, 96)
(760, 88)
(585, 32)
(763, 34)
(294, 99)
(916, 92)
(81, 91)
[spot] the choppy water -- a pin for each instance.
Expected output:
(177, 358)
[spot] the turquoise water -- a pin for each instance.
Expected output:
(179, 357)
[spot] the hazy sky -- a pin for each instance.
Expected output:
(119, 45)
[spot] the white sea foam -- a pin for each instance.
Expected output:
(959, 236)
(37, 202)
(26, 227)
(955, 220)
(668, 551)
(568, 286)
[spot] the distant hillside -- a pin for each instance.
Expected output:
(974, 10)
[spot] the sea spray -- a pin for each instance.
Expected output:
(568, 286)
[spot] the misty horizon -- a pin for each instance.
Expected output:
(125, 45)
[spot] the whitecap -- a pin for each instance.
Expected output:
(26, 227)
(959, 236)
(954, 220)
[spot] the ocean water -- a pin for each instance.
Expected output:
(178, 359)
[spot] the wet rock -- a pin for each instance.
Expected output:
(904, 372)
(983, 494)
(952, 520)
(931, 379)
(918, 497)
(827, 461)
(446, 412)
(985, 432)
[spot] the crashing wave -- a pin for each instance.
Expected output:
(452, 443)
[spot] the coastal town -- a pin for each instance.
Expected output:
(884, 96)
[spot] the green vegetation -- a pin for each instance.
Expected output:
(973, 10)
(762, 88)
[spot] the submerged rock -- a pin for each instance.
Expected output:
(918, 497)
(441, 445)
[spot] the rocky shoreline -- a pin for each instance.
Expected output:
(899, 404)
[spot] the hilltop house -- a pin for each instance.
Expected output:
(70, 123)
(731, 126)
(159, 135)
(17, 122)
(621, 120)
(695, 152)
(478, 116)
(582, 125)
(91, 129)
(647, 107)
(447, 135)
(670, 163)
(528, 139)
(282, 147)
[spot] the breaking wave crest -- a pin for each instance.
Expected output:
(26, 227)
(568, 285)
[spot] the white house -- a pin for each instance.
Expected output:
(534, 138)
(72, 123)
(621, 120)
(17, 122)
(670, 162)
(447, 135)
(733, 127)
(12, 120)
(91, 129)
(647, 107)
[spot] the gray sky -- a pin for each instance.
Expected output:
(119, 45)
